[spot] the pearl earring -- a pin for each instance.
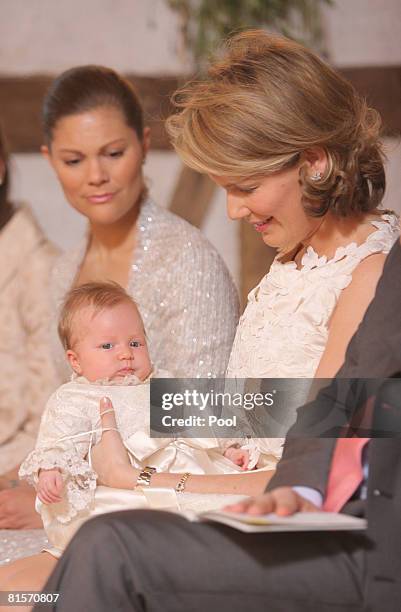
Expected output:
(316, 176)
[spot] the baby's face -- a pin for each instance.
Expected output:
(110, 344)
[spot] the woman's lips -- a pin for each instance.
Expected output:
(100, 198)
(261, 226)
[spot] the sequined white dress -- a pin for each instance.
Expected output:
(186, 297)
(70, 426)
(284, 328)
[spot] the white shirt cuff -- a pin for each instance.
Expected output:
(312, 495)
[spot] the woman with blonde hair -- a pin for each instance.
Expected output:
(298, 152)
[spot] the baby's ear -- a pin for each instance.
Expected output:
(74, 361)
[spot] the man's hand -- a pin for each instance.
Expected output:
(284, 501)
(17, 508)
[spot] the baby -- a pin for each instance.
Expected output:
(105, 342)
(102, 332)
(104, 338)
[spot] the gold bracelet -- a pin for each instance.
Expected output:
(145, 476)
(180, 488)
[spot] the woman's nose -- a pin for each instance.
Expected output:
(97, 174)
(236, 209)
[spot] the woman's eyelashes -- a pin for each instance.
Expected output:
(71, 162)
(244, 190)
(111, 154)
(115, 154)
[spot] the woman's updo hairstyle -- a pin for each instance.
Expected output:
(6, 208)
(265, 101)
(86, 88)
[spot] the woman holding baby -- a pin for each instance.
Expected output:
(298, 152)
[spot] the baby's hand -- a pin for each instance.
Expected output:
(239, 456)
(50, 486)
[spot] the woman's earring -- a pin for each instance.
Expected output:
(316, 176)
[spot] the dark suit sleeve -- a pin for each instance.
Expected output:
(373, 352)
(375, 349)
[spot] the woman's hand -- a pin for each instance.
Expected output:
(109, 457)
(17, 508)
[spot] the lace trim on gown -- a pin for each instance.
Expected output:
(79, 478)
(284, 329)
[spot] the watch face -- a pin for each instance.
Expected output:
(144, 476)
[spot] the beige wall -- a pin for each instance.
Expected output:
(363, 32)
(50, 36)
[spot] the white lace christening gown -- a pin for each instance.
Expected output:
(284, 329)
(70, 426)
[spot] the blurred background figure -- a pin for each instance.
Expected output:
(27, 372)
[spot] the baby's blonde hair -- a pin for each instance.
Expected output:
(264, 102)
(98, 295)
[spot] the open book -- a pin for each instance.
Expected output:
(302, 521)
(167, 499)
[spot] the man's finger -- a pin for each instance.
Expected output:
(238, 507)
(307, 506)
(253, 505)
(261, 505)
(287, 502)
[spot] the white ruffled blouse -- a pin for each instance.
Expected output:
(284, 329)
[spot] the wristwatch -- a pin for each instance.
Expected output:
(145, 476)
